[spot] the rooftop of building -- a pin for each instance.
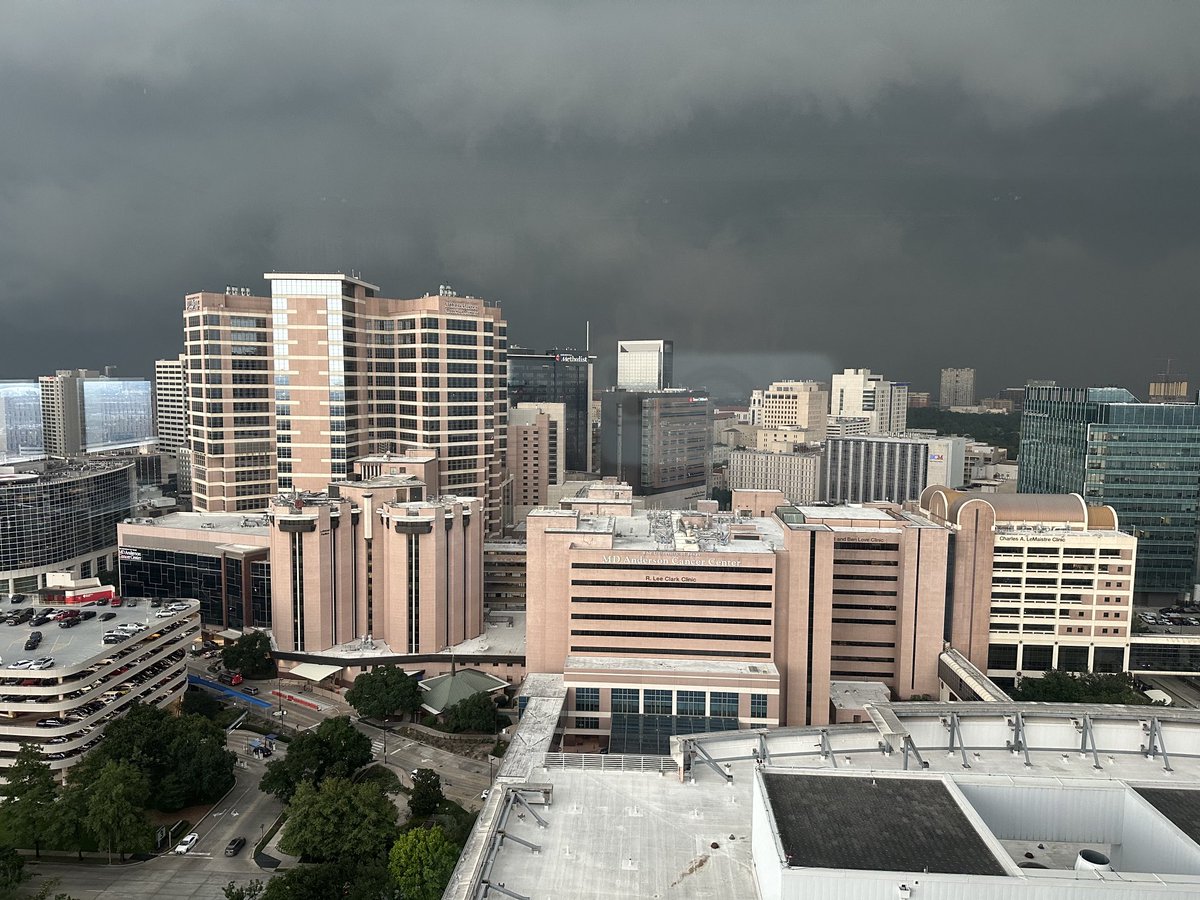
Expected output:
(225, 523)
(385, 458)
(1067, 511)
(678, 666)
(923, 788)
(857, 694)
(71, 647)
(46, 474)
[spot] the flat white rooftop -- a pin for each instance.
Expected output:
(681, 666)
(225, 523)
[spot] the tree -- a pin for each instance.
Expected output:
(251, 655)
(474, 713)
(199, 702)
(1066, 687)
(427, 793)
(68, 829)
(12, 872)
(339, 820)
(383, 691)
(28, 809)
(336, 748)
(421, 863)
(348, 881)
(116, 814)
(252, 891)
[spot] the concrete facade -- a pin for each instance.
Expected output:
(799, 405)
(957, 388)
(860, 392)
(1039, 582)
(170, 403)
(796, 475)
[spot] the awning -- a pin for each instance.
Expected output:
(312, 671)
(229, 634)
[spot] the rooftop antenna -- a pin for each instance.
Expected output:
(587, 337)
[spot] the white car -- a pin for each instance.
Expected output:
(21, 664)
(46, 662)
(165, 613)
(187, 843)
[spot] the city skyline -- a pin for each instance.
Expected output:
(921, 171)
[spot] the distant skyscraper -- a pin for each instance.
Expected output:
(1142, 459)
(958, 388)
(658, 442)
(20, 422)
(170, 403)
(1169, 387)
(645, 365)
(299, 384)
(859, 392)
(558, 377)
(86, 412)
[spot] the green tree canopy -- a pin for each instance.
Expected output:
(251, 891)
(251, 655)
(384, 691)
(334, 749)
(116, 814)
(183, 757)
(28, 808)
(997, 429)
(344, 880)
(421, 863)
(1066, 687)
(339, 820)
(427, 793)
(474, 713)
(68, 828)
(199, 702)
(12, 872)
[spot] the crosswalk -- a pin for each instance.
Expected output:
(377, 748)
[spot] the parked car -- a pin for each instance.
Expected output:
(131, 602)
(251, 690)
(45, 662)
(115, 602)
(32, 643)
(103, 601)
(234, 847)
(69, 623)
(21, 664)
(155, 603)
(107, 616)
(188, 842)
(230, 678)
(50, 723)
(16, 598)
(39, 620)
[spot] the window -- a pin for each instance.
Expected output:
(587, 699)
(758, 706)
(590, 722)
(658, 703)
(691, 703)
(723, 704)
(625, 700)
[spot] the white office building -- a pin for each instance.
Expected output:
(860, 392)
(645, 365)
(170, 403)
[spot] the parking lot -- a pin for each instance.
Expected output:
(1171, 620)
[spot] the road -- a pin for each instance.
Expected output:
(462, 779)
(1183, 691)
(198, 875)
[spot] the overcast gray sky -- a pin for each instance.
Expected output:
(781, 188)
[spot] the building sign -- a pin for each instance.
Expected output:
(936, 457)
(570, 358)
(1031, 539)
(133, 554)
(461, 307)
(682, 559)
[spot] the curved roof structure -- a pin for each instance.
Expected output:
(944, 504)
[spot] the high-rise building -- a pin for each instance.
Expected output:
(645, 365)
(21, 429)
(1039, 582)
(958, 388)
(1142, 459)
(324, 371)
(859, 392)
(659, 442)
(734, 617)
(558, 376)
(797, 404)
(84, 412)
(535, 454)
(919, 400)
(797, 475)
(63, 518)
(896, 469)
(1169, 387)
(170, 403)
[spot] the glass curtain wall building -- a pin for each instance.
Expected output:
(62, 519)
(20, 422)
(1142, 459)
(558, 377)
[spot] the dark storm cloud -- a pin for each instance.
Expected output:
(782, 189)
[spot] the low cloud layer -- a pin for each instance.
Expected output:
(777, 187)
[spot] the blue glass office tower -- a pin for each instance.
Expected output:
(1143, 459)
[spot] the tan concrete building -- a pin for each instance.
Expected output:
(802, 405)
(732, 617)
(536, 454)
(287, 389)
(376, 558)
(1040, 581)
